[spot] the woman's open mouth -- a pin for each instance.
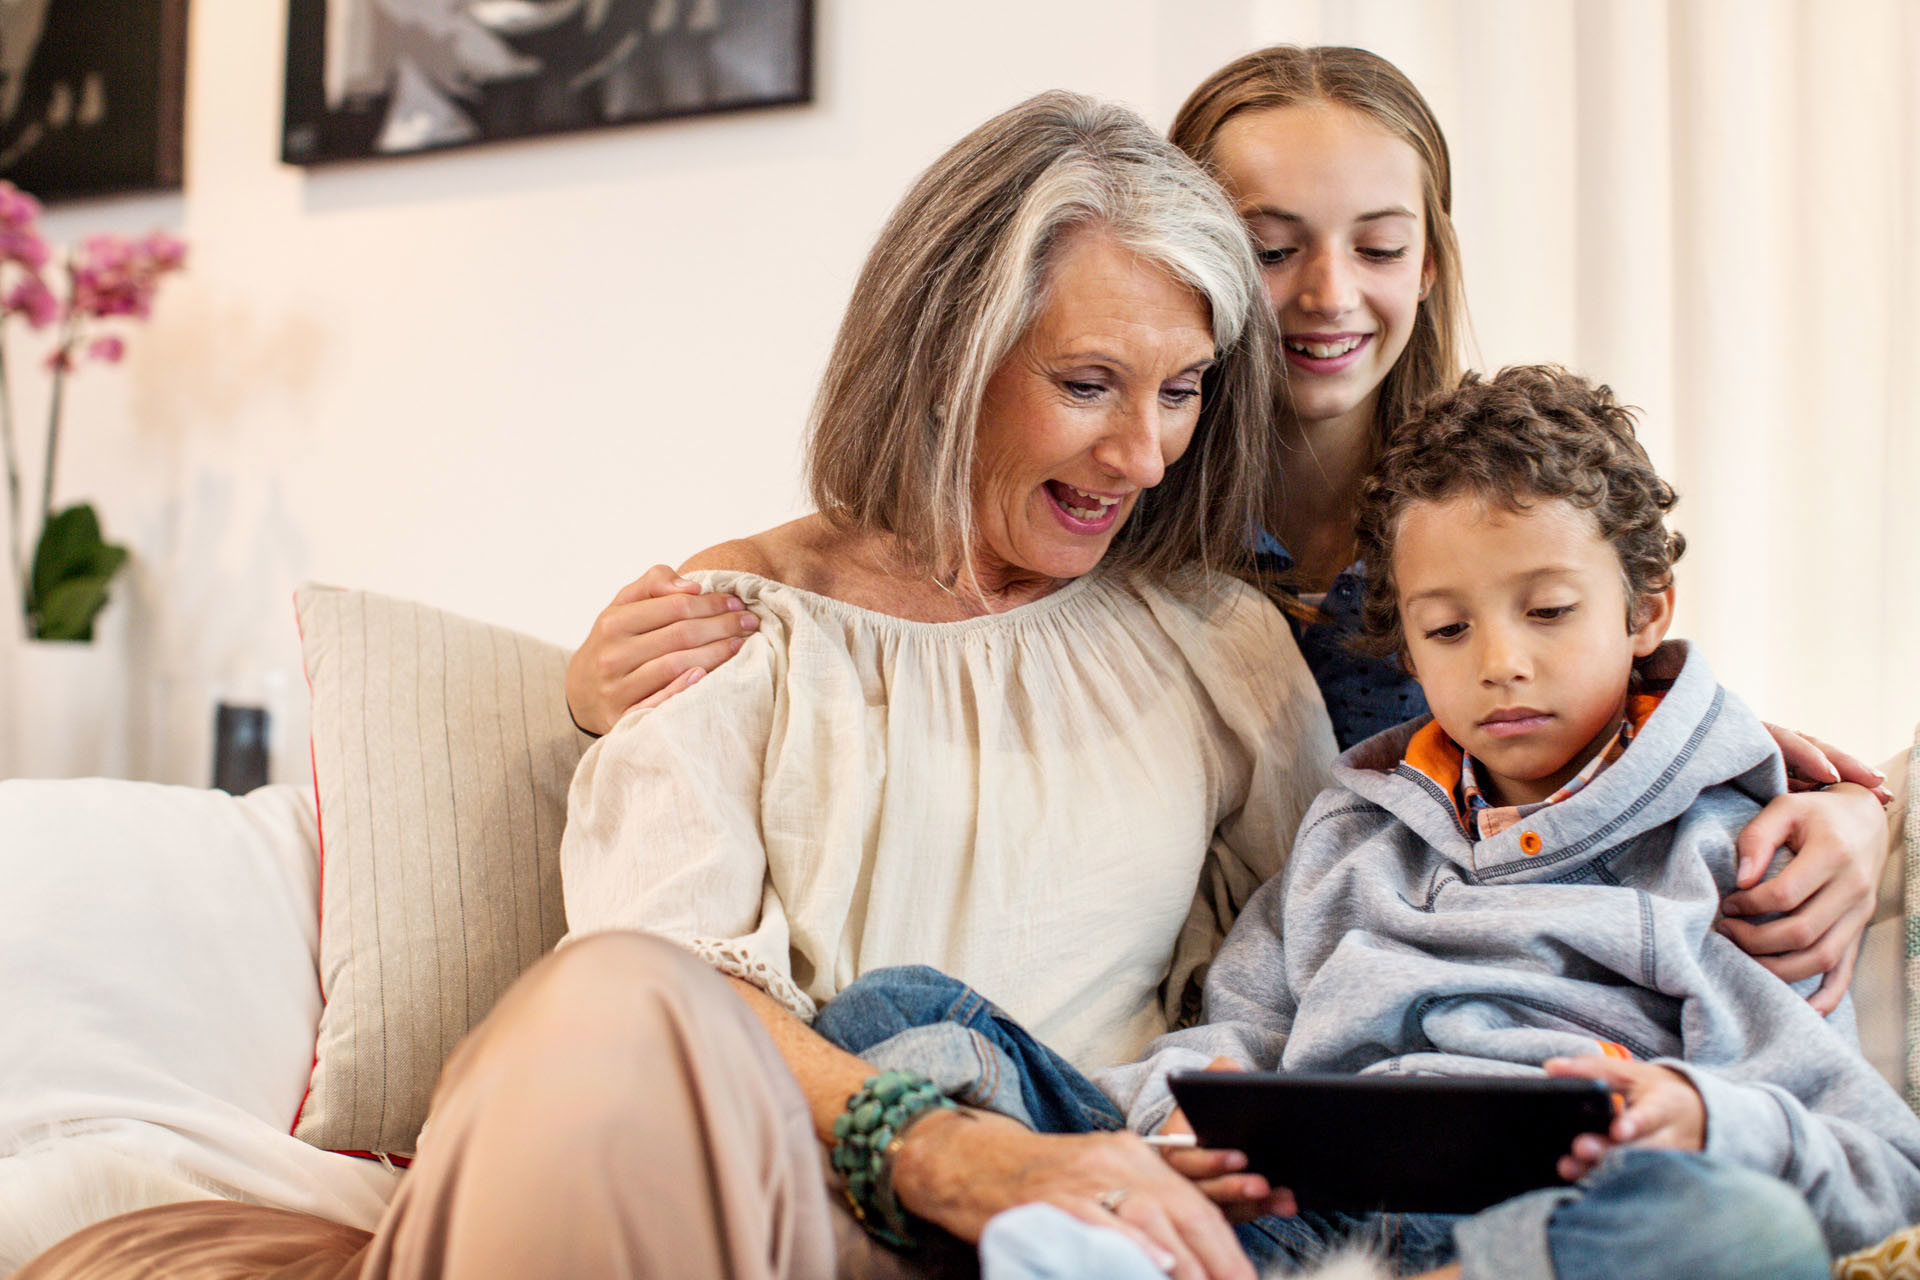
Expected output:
(1080, 511)
(1323, 352)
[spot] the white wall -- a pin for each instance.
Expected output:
(505, 380)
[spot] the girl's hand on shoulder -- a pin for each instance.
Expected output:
(958, 1169)
(1825, 894)
(659, 636)
(1654, 1106)
(1813, 765)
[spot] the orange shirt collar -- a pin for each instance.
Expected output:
(1433, 753)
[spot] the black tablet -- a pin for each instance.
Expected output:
(1405, 1144)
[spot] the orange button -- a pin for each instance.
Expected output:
(1529, 842)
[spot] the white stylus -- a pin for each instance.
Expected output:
(1170, 1140)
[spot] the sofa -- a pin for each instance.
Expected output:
(250, 997)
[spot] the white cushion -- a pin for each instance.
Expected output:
(158, 999)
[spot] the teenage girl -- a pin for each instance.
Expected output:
(1343, 176)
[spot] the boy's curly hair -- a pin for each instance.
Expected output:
(1529, 432)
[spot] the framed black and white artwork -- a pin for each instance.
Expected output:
(368, 78)
(92, 95)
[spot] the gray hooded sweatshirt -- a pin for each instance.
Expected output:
(1394, 943)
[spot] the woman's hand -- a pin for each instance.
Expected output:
(1654, 1106)
(1218, 1173)
(956, 1168)
(959, 1168)
(1826, 891)
(660, 635)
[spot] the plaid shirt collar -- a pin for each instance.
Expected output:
(1485, 820)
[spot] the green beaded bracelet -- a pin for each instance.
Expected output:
(866, 1137)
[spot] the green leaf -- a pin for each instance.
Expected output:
(71, 569)
(67, 612)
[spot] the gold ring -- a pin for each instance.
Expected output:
(1111, 1200)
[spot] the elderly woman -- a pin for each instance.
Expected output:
(1003, 715)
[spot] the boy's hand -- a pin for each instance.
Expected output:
(1654, 1106)
(1241, 1196)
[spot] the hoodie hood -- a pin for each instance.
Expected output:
(1700, 736)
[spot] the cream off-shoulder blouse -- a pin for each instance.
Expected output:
(1062, 805)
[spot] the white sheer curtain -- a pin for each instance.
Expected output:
(1711, 205)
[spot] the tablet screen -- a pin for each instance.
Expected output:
(1405, 1144)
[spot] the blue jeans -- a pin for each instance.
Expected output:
(1642, 1213)
(914, 1018)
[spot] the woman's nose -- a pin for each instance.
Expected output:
(1327, 286)
(1133, 446)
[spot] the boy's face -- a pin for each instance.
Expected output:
(1516, 626)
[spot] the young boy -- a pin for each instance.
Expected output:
(1531, 878)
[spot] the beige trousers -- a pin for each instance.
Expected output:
(620, 1113)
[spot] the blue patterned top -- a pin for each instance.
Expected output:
(1363, 695)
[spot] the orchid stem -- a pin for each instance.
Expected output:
(13, 483)
(53, 430)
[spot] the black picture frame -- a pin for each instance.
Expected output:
(361, 84)
(93, 96)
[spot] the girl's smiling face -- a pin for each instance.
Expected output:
(1335, 205)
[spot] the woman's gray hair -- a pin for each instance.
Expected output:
(958, 275)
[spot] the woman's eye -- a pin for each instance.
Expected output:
(1180, 397)
(1274, 257)
(1384, 255)
(1452, 631)
(1084, 390)
(1551, 613)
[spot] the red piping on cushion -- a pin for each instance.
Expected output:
(320, 881)
(398, 1162)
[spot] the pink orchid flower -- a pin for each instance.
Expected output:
(107, 277)
(31, 298)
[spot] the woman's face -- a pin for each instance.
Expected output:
(1334, 203)
(1092, 405)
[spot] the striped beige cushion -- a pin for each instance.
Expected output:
(442, 751)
